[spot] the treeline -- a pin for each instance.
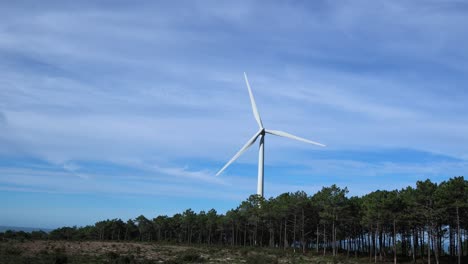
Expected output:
(426, 222)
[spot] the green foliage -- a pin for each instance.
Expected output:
(125, 259)
(191, 256)
(60, 256)
(188, 256)
(261, 259)
(299, 223)
(61, 259)
(10, 250)
(39, 235)
(245, 251)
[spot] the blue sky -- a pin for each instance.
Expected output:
(116, 109)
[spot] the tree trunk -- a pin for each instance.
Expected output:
(233, 235)
(369, 238)
(190, 237)
(294, 233)
(381, 239)
(303, 232)
(435, 244)
(375, 243)
(422, 244)
(256, 233)
(414, 245)
(209, 235)
(280, 234)
(451, 242)
(237, 235)
(394, 242)
(245, 234)
(428, 247)
(324, 240)
(333, 238)
(271, 242)
(440, 241)
(459, 242)
(348, 245)
(285, 233)
(317, 241)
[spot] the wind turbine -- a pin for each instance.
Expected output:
(261, 133)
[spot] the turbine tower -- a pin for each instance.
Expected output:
(261, 133)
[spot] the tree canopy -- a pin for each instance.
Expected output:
(425, 222)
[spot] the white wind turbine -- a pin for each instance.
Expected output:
(261, 133)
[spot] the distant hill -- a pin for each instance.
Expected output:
(25, 229)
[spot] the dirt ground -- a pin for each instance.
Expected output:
(134, 252)
(148, 251)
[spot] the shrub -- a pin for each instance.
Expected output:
(112, 256)
(191, 256)
(260, 259)
(61, 258)
(11, 250)
(128, 259)
(244, 251)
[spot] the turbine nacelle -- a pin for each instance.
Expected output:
(261, 133)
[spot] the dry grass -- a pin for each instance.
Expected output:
(132, 252)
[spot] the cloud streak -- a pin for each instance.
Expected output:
(153, 94)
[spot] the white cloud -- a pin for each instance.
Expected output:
(51, 180)
(120, 84)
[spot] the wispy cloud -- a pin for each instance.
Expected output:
(3, 120)
(67, 182)
(156, 90)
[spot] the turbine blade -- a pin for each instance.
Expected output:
(287, 135)
(242, 150)
(252, 101)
